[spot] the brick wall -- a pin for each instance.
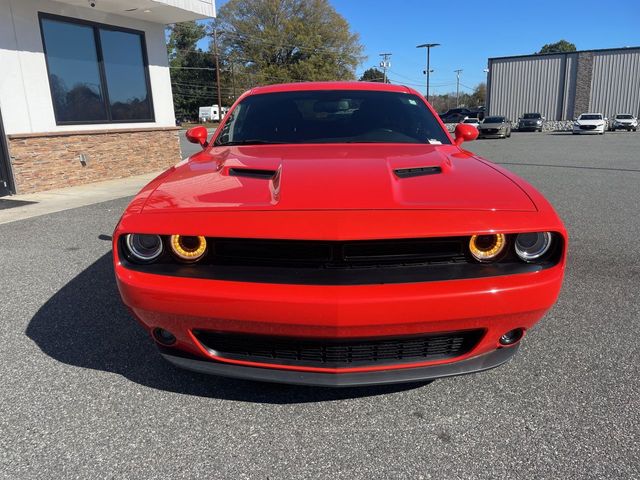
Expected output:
(52, 160)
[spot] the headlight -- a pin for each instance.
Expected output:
(188, 248)
(485, 248)
(539, 122)
(576, 125)
(531, 246)
(144, 248)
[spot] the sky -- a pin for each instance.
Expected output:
(472, 31)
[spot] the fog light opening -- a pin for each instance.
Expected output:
(512, 337)
(164, 337)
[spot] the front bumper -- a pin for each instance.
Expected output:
(479, 363)
(494, 134)
(587, 131)
(493, 304)
(529, 127)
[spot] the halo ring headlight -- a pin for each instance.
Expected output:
(486, 248)
(144, 247)
(188, 248)
(531, 246)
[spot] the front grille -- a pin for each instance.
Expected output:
(343, 353)
(336, 254)
(587, 127)
(490, 130)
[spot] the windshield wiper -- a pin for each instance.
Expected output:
(250, 141)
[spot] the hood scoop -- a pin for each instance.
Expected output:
(251, 173)
(417, 171)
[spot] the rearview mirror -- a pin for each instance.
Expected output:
(465, 133)
(198, 134)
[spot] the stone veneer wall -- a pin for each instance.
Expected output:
(583, 83)
(52, 160)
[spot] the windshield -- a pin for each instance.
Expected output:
(624, 117)
(331, 116)
(532, 116)
(494, 120)
(591, 117)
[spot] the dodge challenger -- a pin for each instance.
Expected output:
(335, 234)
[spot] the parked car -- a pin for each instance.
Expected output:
(457, 115)
(472, 121)
(314, 241)
(624, 121)
(590, 123)
(531, 122)
(495, 127)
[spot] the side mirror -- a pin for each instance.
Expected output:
(198, 134)
(465, 133)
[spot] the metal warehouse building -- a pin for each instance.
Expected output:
(561, 86)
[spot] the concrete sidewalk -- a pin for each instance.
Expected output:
(71, 197)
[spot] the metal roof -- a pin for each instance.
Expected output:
(566, 53)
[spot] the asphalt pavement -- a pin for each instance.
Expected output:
(84, 394)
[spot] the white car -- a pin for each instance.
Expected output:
(590, 123)
(624, 121)
(472, 121)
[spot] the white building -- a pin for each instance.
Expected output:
(85, 90)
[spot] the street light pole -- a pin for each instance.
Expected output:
(458, 86)
(217, 64)
(428, 46)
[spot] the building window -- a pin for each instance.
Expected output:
(97, 73)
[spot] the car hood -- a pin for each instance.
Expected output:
(590, 122)
(337, 177)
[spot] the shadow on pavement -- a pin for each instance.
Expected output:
(85, 324)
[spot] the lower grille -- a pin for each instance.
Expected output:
(343, 353)
(588, 127)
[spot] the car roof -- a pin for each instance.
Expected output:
(302, 86)
(590, 113)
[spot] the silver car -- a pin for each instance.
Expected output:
(497, 127)
(624, 121)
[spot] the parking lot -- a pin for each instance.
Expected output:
(84, 394)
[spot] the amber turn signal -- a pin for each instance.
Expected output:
(486, 248)
(188, 248)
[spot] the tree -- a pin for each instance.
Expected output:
(274, 41)
(373, 75)
(192, 69)
(558, 47)
(479, 95)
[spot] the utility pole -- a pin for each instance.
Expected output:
(458, 86)
(215, 53)
(428, 46)
(384, 64)
(233, 80)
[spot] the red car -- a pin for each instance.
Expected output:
(335, 234)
